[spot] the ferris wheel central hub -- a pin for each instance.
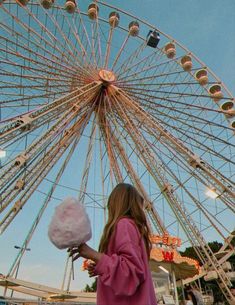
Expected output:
(107, 76)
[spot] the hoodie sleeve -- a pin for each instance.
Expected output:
(124, 270)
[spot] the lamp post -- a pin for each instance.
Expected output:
(26, 249)
(18, 265)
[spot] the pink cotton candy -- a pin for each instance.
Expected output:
(70, 225)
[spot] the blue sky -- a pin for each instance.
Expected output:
(207, 29)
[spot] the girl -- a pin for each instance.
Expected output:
(121, 264)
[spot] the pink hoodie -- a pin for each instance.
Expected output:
(124, 275)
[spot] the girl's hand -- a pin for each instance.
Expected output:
(84, 251)
(91, 269)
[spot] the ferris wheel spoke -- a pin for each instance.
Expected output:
(40, 67)
(120, 51)
(129, 168)
(149, 99)
(102, 41)
(182, 184)
(103, 153)
(147, 157)
(172, 93)
(168, 78)
(107, 133)
(102, 174)
(150, 106)
(88, 41)
(34, 87)
(29, 122)
(135, 179)
(114, 167)
(83, 48)
(42, 209)
(29, 76)
(208, 134)
(134, 132)
(12, 168)
(156, 140)
(166, 167)
(181, 95)
(49, 61)
(192, 174)
(107, 53)
(96, 39)
(164, 69)
(151, 77)
(96, 49)
(133, 56)
(28, 98)
(178, 208)
(43, 166)
(38, 146)
(67, 46)
(190, 118)
(74, 28)
(205, 227)
(44, 75)
(221, 183)
(43, 81)
(193, 143)
(203, 180)
(39, 38)
(64, 51)
(73, 49)
(147, 68)
(87, 163)
(163, 84)
(114, 170)
(96, 57)
(145, 61)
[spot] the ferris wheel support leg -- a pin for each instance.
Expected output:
(112, 158)
(149, 205)
(130, 170)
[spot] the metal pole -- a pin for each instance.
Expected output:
(182, 285)
(174, 284)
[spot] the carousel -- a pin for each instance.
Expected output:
(169, 268)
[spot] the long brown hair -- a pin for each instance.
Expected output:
(123, 201)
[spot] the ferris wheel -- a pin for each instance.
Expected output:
(92, 96)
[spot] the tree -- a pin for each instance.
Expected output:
(91, 288)
(215, 246)
(191, 253)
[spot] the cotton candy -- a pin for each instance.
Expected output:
(70, 225)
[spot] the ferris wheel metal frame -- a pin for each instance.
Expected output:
(126, 102)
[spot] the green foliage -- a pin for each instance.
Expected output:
(190, 252)
(215, 246)
(91, 288)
